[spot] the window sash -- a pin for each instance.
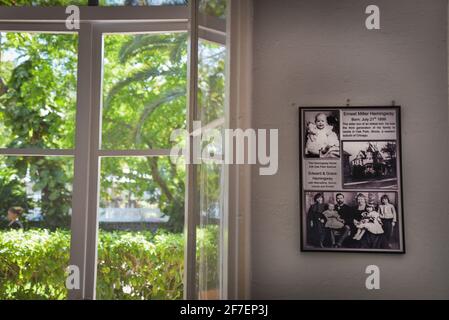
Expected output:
(34, 18)
(96, 21)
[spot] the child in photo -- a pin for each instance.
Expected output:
(333, 221)
(388, 216)
(322, 141)
(371, 222)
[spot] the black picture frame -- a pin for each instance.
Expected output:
(399, 200)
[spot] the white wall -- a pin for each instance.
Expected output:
(315, 53)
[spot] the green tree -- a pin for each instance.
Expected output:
(144, 86)
(38, 110)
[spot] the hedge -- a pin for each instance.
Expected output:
(131, 265)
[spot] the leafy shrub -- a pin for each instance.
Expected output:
(32, 264)
(131, 265)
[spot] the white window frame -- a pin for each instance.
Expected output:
(87, 153)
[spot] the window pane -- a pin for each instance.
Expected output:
(210, 185)
(143, 2)
(211, 81)
(37, 90)
(214, 8)
(141, 218)
(144, 85)
(210, 175)
(42, 3)
(35, 194)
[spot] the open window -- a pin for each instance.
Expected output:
(86, 117)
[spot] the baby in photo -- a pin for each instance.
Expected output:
(371, 222)
(322, 141)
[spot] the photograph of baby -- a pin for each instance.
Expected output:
(369, 165)
(322, 134)
(351, 220)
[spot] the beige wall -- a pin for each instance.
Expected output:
(316, 53)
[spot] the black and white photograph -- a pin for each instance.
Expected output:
(352, 203)
(369, 165)
(366, 221)
(322, 134)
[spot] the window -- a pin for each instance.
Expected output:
(38, 73)
(144, 89)
(141, 245)
(85, 124)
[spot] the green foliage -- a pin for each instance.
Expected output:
(215, 8)
(131, 265)
(32, 264)
(12, 193)
(144, 100)
(39, 104)
(37, 110)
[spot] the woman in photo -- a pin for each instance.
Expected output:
(359, 210)
(368, 240)
(370, 223)
(316, 220)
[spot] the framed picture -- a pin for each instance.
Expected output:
(351, 179)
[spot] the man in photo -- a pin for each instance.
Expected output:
(346, 213)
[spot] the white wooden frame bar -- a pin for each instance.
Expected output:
(237, 218)
(40, 27)
(94, 164)
(81, 186)
(134, 153)
(89, 13)
(37, 152)
(190, 219)
(212, 29)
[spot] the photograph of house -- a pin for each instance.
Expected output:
(369, 164)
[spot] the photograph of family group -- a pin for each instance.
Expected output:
(322, 134)
(352, 221)
(369, 165)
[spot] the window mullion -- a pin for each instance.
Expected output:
(191, 183)
(94, 164)
(80, 194)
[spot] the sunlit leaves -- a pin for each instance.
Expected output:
(140, 78)
(131, 265)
